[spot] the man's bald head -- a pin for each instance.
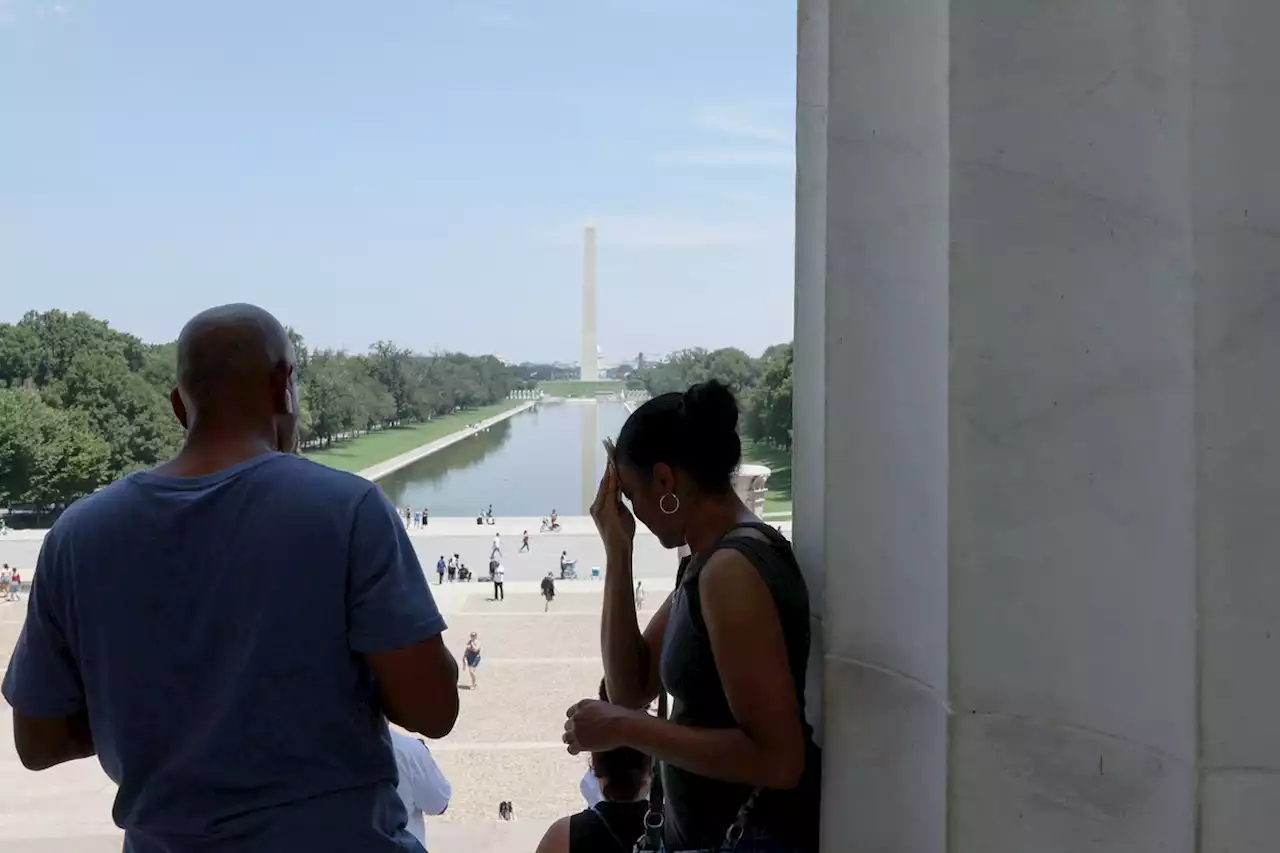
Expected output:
(229, 352)
(235, 376)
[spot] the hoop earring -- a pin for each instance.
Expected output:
(662, 504)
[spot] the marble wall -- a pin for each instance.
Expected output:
(1038, 314)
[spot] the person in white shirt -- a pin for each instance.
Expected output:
(422, 786)
(496, 551)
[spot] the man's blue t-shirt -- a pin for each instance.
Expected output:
(214, 628)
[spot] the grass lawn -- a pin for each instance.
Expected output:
(579, 388)
(778, 498)
(359, 453)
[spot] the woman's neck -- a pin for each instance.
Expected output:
(714, 517)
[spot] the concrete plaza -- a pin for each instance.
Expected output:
(445, 536)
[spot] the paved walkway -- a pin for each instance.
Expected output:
(395, 463)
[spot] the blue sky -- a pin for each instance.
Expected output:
(415, 170)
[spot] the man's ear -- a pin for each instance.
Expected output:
(179, 407)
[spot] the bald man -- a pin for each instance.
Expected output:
(230, 632)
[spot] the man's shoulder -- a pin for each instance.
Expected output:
(322, 476)
(89, 509)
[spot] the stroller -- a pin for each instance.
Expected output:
(569, 570)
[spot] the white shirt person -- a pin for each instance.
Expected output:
(422, 786)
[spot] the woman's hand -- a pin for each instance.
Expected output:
(616, 524)
(595, 726)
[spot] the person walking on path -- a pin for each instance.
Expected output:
(423, 788)
(453, 567)
(426, 516)
(6, 575)
(730, 644)
(524, 542)
(15, 585)
(548, 591)
(440, 567)
(497, 573)
(496, 550)
(639, 595)
(471, 658)
(278, 738)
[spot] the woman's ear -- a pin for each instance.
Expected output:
(664, 478)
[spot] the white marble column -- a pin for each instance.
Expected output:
(871, 390)
(1072, 491)
(1236, 179)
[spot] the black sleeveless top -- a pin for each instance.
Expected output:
(698, 810)
(607, 828)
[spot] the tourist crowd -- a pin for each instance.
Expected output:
(239, 688)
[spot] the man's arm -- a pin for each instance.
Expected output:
(393, 621)
(50, 717)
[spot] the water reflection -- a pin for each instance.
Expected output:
(549, 457)
(588, 432)
(400, 485)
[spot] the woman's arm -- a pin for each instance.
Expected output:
(767, 747)
(631, 658)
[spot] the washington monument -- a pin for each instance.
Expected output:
(589, 369)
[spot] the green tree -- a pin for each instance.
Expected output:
(47, 456)
(123, 409)
(768, 405)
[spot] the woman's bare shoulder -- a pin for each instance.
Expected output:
(556, 838)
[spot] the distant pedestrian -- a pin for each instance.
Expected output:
(417, 518)
(639, 595)
(453, 567)
(497, 573)
(408, 516)
(426, 516)
(548, 591)
(440, 567)
(15, 585)
(471, 658)
(6, 574)
(4, 528)
(496, 550)
(524, 542)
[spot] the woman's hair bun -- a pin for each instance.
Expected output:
(713, 404)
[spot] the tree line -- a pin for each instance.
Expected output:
(82, 404)
(762, 385)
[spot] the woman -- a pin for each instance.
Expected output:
(471, 658)
(613, 824)
(730, 644)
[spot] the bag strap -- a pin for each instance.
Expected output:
(654, 820)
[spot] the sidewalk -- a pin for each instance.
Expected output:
(395, 463)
